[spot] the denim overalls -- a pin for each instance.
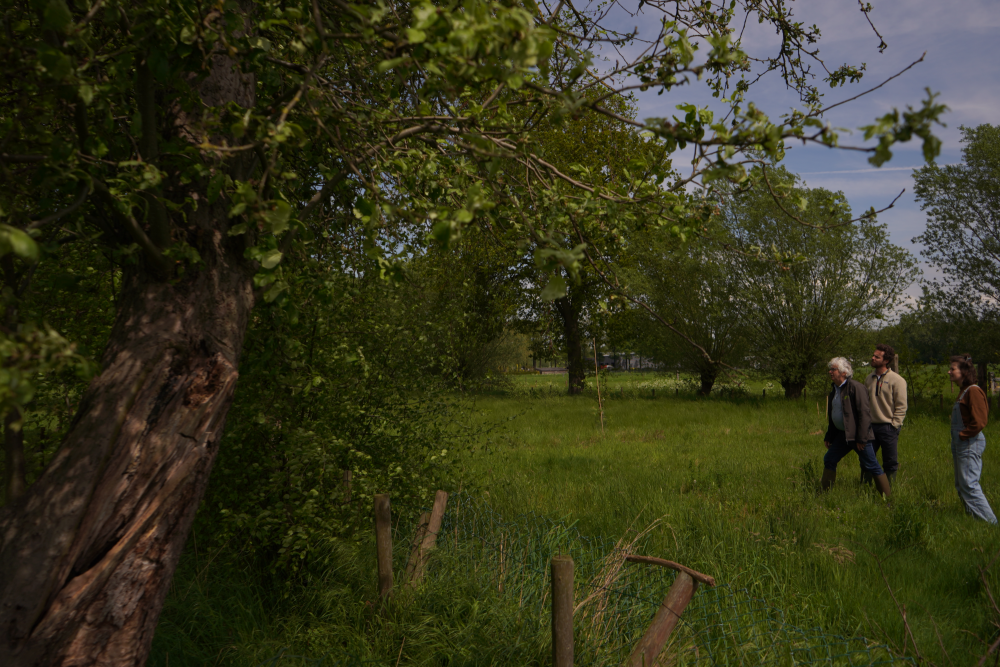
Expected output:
(968, 458)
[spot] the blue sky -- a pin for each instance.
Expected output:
(961, 63)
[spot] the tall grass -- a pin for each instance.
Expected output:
(735, 481)
(734, 484)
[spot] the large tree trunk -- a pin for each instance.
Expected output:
(793, 387)
(708, 376)
(87, 554)
(569, 312)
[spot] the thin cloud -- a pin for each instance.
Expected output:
(866, 171)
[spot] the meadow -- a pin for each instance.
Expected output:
(731, 483)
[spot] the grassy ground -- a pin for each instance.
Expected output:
(735, 481)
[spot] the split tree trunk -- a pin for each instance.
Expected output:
(87, 554)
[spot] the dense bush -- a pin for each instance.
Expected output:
(338, 379)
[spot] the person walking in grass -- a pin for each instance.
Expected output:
(968, 419)
(887, 402)
(849, 426)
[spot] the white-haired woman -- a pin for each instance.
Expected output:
(849, 426)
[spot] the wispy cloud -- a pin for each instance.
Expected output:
(857, 171)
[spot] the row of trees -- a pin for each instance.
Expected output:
(756, 286)
(765, 286)
(769, 289)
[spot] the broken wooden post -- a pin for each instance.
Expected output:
(647, 651)
(562, 611)
(426, 539)
(383, 543)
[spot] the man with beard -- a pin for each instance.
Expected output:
(887, 402)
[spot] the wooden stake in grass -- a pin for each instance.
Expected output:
(383, 544)
(648, 649)
(426, 539)
(562, 611)
(597, 380)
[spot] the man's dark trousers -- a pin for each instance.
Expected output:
(886, 439)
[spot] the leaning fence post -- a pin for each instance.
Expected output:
(426, 539)
(383, 543)
(655, 638)
(562, 611)
(648, 649)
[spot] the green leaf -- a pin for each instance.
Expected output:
(57, 16)
(14, 240)
(276, 217)
(56, 63)
(415, 36)
(276, 290)
(555, 289)
(86, 93)
(270, 259)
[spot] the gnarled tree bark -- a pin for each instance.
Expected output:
(87, 554)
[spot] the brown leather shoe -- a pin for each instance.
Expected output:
(829, 477)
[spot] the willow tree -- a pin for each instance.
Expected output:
(809, 280)
(204, 143)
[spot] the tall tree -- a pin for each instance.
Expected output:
(204, 145)
(962, 238)
(809, 290)
(962, 241)
(692, 282)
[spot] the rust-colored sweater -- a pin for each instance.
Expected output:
(975, 409)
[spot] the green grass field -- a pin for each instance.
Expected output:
(733, 481)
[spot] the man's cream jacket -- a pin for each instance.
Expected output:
(889, 405)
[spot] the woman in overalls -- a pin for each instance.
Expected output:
(968, 419)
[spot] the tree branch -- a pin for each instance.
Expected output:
(156, 258)
(77, 203)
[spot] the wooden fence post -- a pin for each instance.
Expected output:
(648, 649)
(655, 638)
(426, 539)
(562, 611)
(383, 543)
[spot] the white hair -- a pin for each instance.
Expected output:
(842, 365)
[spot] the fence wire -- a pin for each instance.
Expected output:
(615, 600)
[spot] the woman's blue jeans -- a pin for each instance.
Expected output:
(968, 458)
